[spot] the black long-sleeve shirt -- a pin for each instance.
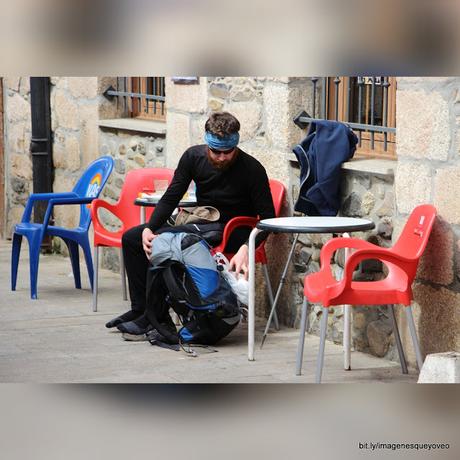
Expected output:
(240, 190)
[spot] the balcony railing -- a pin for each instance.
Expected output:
(366, 104)
(142, 97)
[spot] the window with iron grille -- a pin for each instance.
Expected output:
(366, 104)
(141, 97)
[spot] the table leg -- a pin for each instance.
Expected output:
(280, 286)
(347, 323)
(142, 217)
(251, 302)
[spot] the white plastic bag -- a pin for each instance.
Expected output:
(239, 285)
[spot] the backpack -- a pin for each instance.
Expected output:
(185, 277)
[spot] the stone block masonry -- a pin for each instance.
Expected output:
(17, 134)
(428, 145)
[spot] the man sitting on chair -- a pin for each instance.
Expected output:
(227, 178)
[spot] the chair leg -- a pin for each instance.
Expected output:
(95, 279)
(75, 261)
(123, 275)
(270, 296)
(322, 343)
(413, 333)
(88, 259)
(15, 251)
(402, 358)
(34, 256)
(303, 329)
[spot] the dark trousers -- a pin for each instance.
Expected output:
(137, 264)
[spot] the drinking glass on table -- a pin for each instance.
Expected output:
(160, 186)
(190, 194)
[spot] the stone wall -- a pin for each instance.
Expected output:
(18, 163)
(428, 149)
(265, 107)
(77, 107)
(74, 115)
(78, 111)
(74, 118)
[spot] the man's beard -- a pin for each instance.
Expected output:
(223, 165)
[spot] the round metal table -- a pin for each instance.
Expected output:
(297, 225)
(315, 224)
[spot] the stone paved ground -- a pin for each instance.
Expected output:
(57, 338)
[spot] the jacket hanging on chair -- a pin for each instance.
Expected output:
(320, 155)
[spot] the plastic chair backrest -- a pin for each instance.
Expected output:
(91, 183)
(136, 180)
(277, 190)
(414, 237)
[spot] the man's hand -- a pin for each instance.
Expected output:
(239, 262)
(147, 238)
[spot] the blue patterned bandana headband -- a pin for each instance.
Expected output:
(224, 143)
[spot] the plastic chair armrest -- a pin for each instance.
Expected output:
(72, 200)
(99, 203)
(43, 197)
(382, 254)
(49, 196)
(95, 206)
(60, 201)
(340, 243)
(232, 224)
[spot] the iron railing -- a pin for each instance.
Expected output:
(362, 103)
(139, 96)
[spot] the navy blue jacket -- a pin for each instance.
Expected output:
(320, 155)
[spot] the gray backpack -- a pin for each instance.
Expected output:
(185, 277)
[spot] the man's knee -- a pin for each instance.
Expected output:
(132, 237)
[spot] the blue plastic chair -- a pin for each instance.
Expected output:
(85, 191)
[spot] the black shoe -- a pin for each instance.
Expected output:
(128, 316)
(138, 337)
(138, 326)
(156, 338)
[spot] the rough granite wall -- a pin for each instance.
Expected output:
(74, 117)
(18, 163)
(77, 105)
(428, 149)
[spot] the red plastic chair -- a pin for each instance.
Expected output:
(401, 260)
(278, 192)
(126, 211)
